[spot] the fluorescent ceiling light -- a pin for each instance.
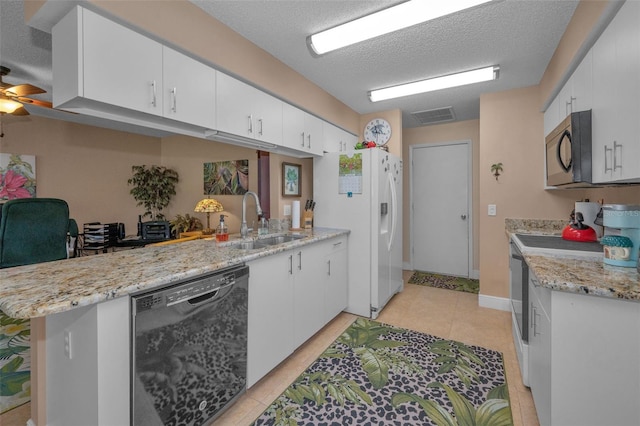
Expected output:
(437, 83)
(386, 21)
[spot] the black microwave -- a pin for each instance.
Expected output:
(568, 149)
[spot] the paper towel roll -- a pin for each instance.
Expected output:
(589, 211)
(295, 215)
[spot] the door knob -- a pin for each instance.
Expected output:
(463, 216)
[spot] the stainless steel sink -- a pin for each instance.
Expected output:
(264, 242)
(248, 245)
(279, 239)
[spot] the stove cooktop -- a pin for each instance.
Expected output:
(556, 245)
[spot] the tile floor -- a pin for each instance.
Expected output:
(443, 313)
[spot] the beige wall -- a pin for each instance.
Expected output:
(277, 200)
(459, 131)
(86, 166)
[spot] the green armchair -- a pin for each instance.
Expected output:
(33, 230)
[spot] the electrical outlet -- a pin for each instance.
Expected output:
(287, 209)
(67, 344)
(492, 210)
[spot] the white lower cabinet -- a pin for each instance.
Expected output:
(308, 291)
(336, 265)
(584, 354)
(540, 348)
(292, 295)
(270, 314)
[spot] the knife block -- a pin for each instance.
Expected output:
(307, 219)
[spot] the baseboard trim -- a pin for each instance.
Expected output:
(493, 302)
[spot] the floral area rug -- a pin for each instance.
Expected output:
(15, 374)
(376, 374)
(467, 285)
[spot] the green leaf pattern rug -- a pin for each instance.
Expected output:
(15, 374)
(376, 374)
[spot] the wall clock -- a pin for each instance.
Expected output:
(378, 130)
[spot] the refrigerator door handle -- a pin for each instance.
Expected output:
(394, 209)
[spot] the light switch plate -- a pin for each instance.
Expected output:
(287, 209)
(492, 210)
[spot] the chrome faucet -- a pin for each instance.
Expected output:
(244, 231)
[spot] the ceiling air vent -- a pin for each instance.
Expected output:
(434, 116)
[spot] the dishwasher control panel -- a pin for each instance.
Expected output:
(186, 290)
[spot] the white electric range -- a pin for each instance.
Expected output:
(519, 281)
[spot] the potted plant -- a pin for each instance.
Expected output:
(185, 223)
(153, 188)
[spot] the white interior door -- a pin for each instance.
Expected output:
(440, 216)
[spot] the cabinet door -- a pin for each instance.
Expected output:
(314, 134)
(616, 64)
(270, 314)
(189, 89)
(308, 291)
(626, 154)
(540, 351)
(293, 135)
(551, 116)
(267, 118)
(581, 85)
(121, 67)
(337, 140)
(233, 106)
(337, 277)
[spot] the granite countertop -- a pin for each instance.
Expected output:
(46, 288)
(575, 274)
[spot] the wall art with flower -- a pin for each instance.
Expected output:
(17, 176)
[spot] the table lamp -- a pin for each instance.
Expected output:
(208, 206)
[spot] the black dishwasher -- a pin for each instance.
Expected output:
(189, 349)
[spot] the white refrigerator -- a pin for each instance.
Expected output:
(361, 191)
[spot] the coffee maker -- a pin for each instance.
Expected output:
(622, 220)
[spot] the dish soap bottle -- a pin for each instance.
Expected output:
(222, 232)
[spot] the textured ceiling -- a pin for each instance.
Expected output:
(518, 35)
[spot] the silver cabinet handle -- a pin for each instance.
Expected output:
(290, 264)
(337, 244)
(174, 96)
(250, 117)
(328, 267)
(299, 260)
(153, 93)
(617, 145)
(309, 139)
(535, 281)
(302, 144)
(535, 322)
(260, 131)
(606, 168)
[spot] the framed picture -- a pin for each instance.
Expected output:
(291, 180)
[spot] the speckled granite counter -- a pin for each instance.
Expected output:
(585, 276)
(46, 288)
(573, 274)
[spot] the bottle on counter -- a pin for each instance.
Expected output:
(222, 231)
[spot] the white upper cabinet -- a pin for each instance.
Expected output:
(616, 99)
(102, 66)
(246, 111)
(97, 59)
(338, 140)
(189, 89)
(302, 131)
(576, 95)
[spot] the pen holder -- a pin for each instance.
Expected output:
(307, 218)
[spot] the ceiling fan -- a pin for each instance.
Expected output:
(12, 97)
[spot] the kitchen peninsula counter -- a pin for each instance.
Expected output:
(46, 288)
